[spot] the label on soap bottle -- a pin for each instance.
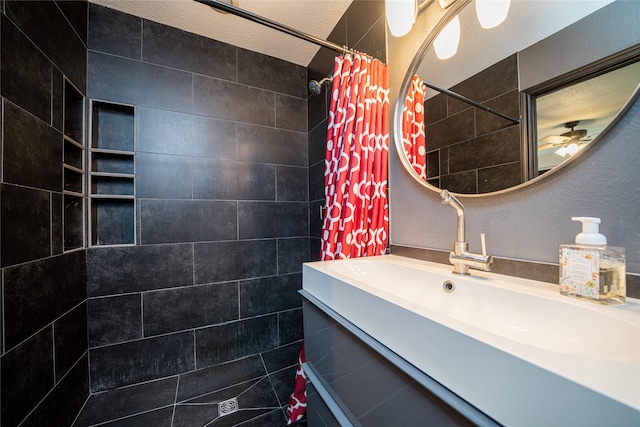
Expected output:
(581, 272)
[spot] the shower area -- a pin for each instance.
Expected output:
(204, 172)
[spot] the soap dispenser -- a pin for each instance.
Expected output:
(591, 270)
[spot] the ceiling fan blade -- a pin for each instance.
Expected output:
(554, 139)
(546, 146)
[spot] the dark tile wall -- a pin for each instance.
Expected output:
(470, 150)
(362, 28)
(44, 366)
(221, 205)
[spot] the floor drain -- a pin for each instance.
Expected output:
(228, 407)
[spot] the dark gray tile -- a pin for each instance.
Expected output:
(70, 339)
(169, 132)
(202, 381)
(111, 31)
(268, 219)
(462, 182)
(57, 105)
(374, 41)
(493, 149)
(174, 221)
(127, 401)
(314, 249)
(159, 418)
(39, 20)
(282, 358)
(112, 126)
(255, 398)
(25, 73)
(138, 361)
(435, 108)
(220, 179)
(175, 48)
(114, 319)
(290, 326)
(64, 402)
(164, 177)
(273, 418)
(361, 16)
(77, 15)
(225, 261)
(318, 106)
(291, 113)
(190, 307)
(456, 128)
(134, 269)
(283, 382)
(508, 104)
(223, 343)
(32, 151)
(284, 77)
(291, 254)
(494, 81)
(57, 236)
(37, 293)
(269, 294)
(268, 145)
(292, 183)
(315, 221)
(112, 78)
(28, 368)
(497, 178)
(318, 143)
(232, 101)
(316, 182)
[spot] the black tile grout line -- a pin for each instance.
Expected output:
(185, 402)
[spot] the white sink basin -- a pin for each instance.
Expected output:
(514, 348)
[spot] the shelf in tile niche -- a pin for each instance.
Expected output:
(112, 126)
(112, 162)
(113, 221)
(73, 175)
(73, 113)
(112, 174)
(112, 185)
(73, 226)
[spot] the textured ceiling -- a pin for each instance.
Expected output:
(315, 17)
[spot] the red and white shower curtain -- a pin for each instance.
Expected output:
(356, 222)
(355, 182)
(413, 133)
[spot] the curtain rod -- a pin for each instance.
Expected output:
(218, 4)
(468, 101)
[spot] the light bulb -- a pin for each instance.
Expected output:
(446, 44)
(492, 13)
(562, 151)
(401, 14)
(572, 148)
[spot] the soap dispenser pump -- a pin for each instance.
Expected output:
(591, 270)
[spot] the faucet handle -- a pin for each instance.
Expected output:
(483, 242)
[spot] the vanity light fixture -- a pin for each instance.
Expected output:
(447, 42)
(570, 149)
(401, 15)
(492, 13)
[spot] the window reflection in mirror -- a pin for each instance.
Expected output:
(569, 118)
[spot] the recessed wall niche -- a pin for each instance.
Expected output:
(112, 174)
(73, 168)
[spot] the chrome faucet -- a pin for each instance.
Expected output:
(461, 259)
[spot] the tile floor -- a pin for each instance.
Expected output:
(260, 385)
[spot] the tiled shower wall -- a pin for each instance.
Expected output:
(470, 150)
(363, 28)
(43, 328)
(221, 200)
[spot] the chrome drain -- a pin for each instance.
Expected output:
(227, 407)
(449, 286)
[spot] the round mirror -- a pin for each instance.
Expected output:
(516, 101)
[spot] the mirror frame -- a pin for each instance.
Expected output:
(451, 12)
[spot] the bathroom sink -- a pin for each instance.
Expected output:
(514, 348)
